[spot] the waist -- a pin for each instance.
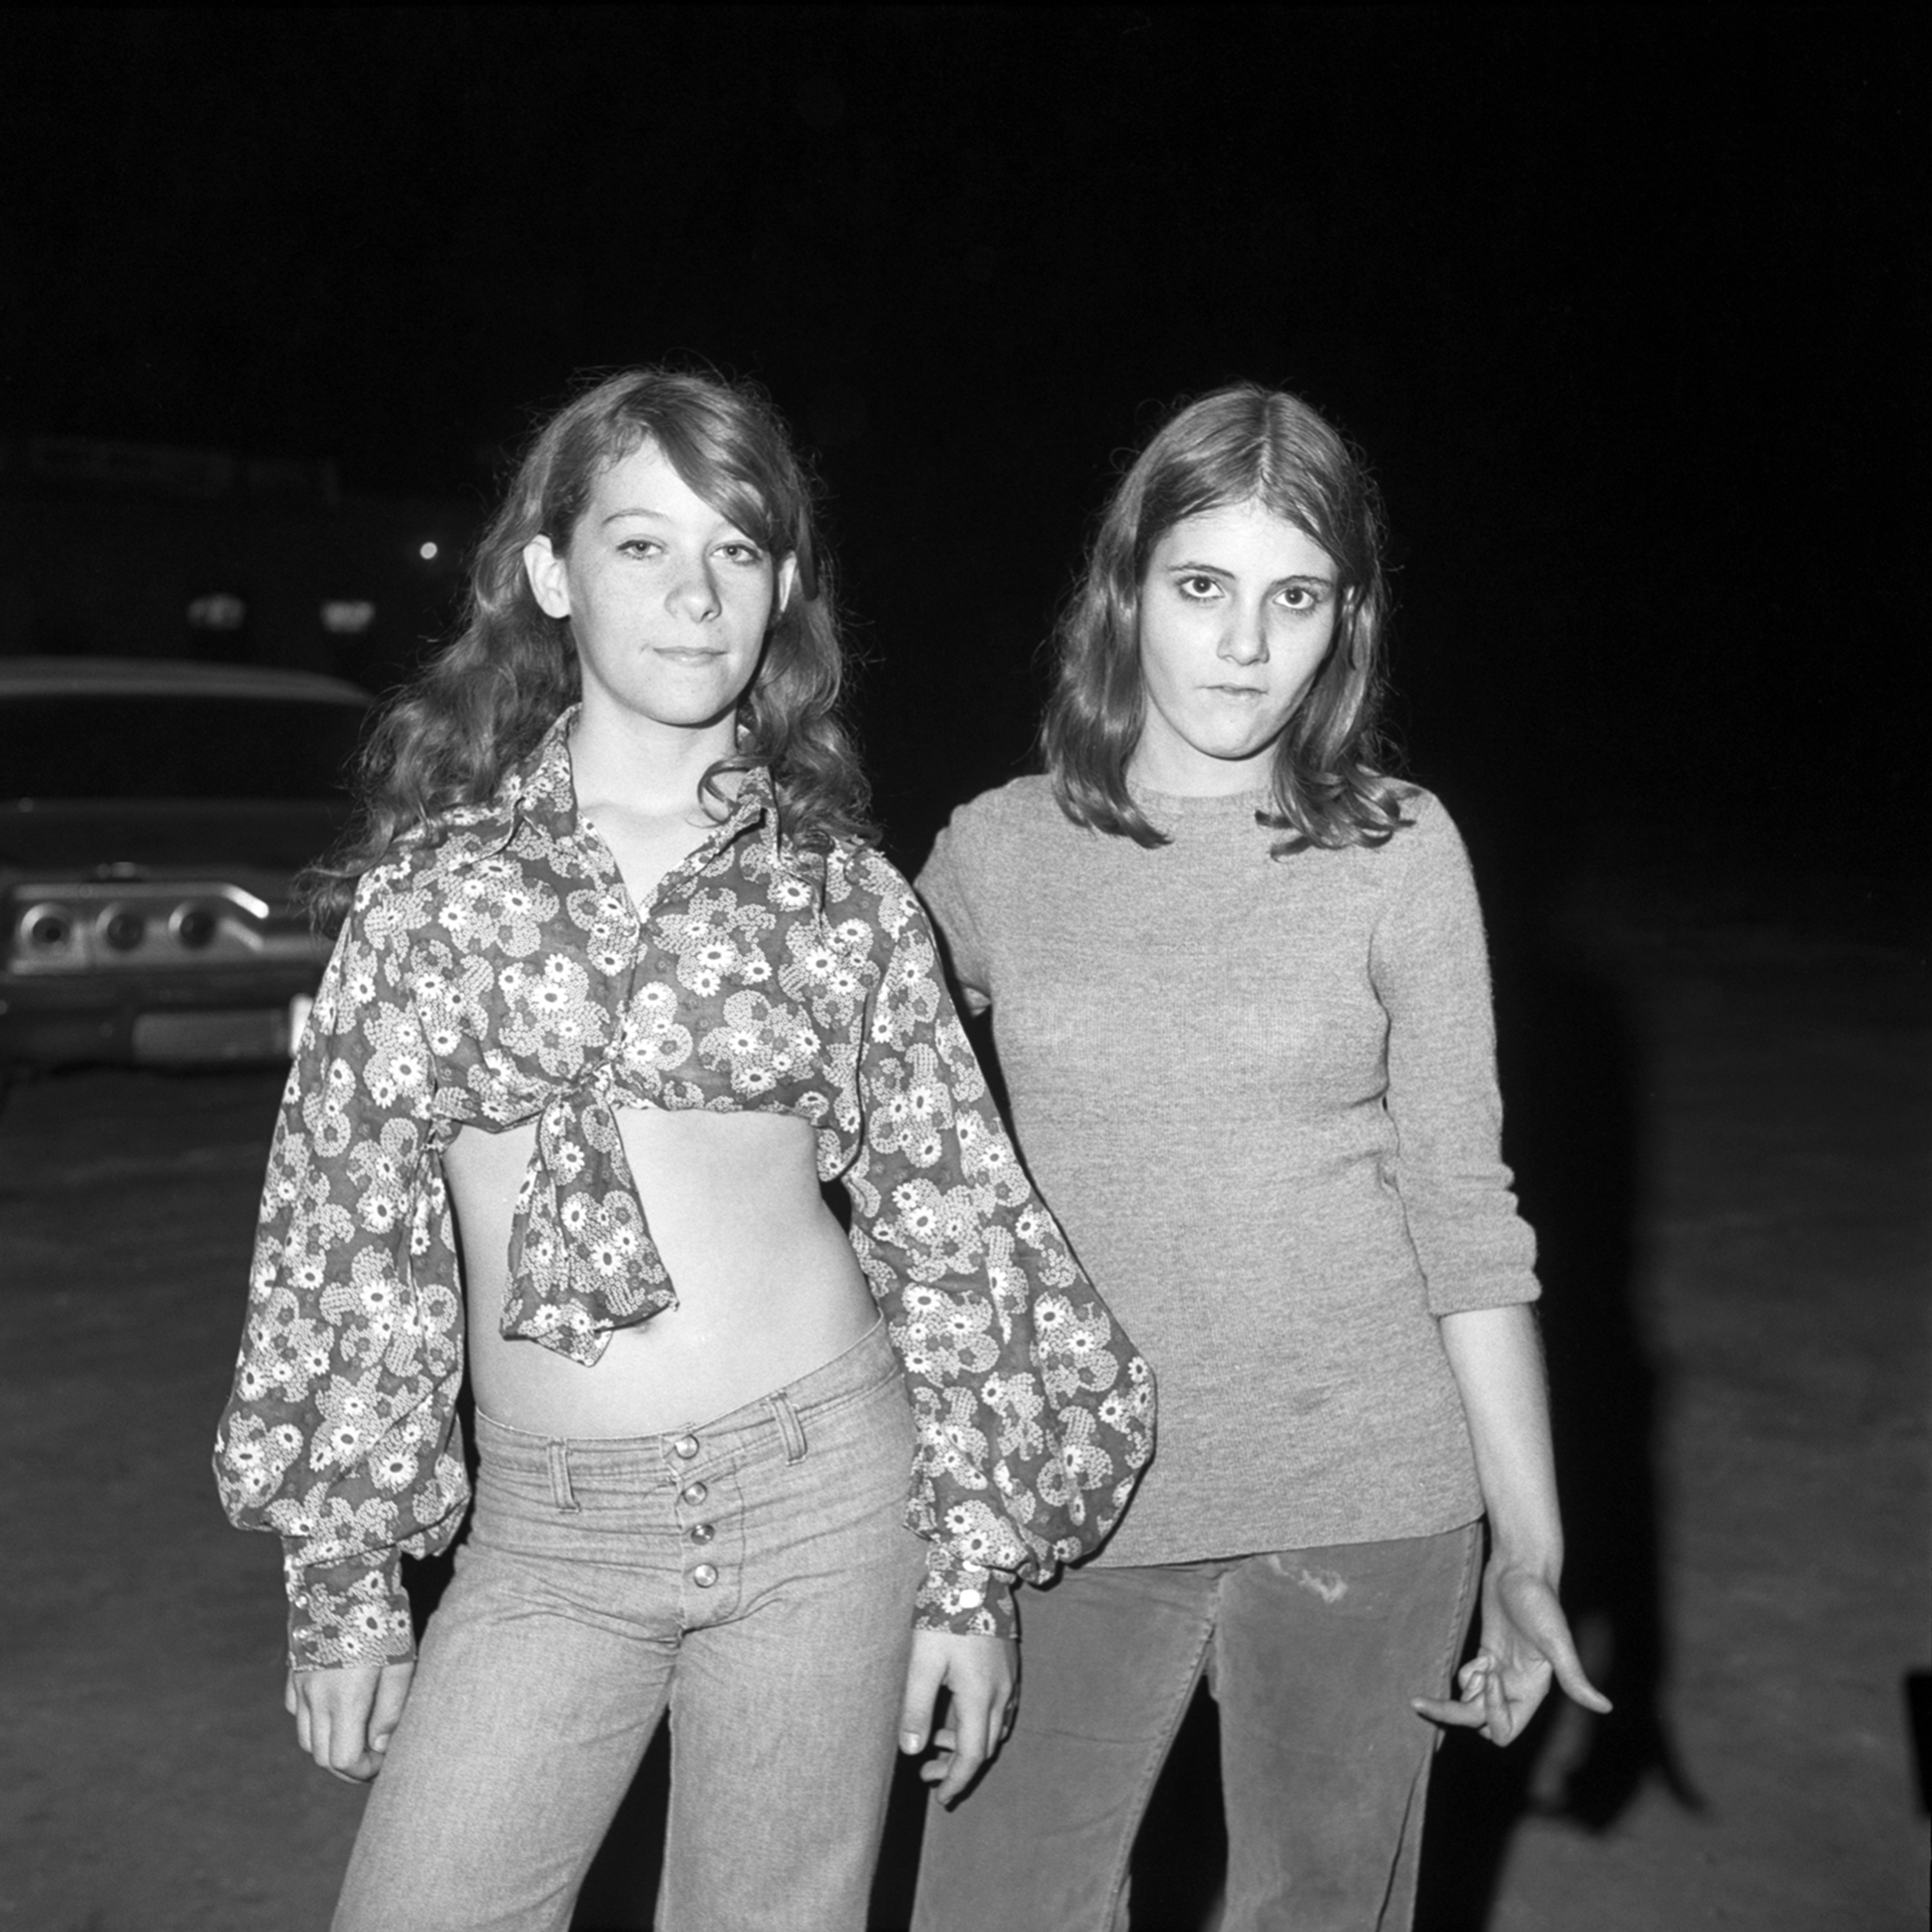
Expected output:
(855, 1372)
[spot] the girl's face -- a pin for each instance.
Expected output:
(668, 600)
(1237, 613)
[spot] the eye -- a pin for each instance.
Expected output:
(1198, 587)
(1302, 596)
(639, 546)
(742, 551)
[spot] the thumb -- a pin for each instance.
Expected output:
(924, 1674)
(1576, 1686)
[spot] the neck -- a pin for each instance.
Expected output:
(1196, 777)
(640, 764)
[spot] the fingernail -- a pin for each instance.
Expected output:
(909, 1741)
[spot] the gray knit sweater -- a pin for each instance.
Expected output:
(1260, 1096)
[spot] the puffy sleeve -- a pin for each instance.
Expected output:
(1034, 1414)
(1431, 971)
(340, 1434)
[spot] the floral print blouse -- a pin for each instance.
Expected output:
(504, 974)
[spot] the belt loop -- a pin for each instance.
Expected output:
(789, 1427)
(561, 1491)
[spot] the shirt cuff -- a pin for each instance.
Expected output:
(964, 1599)
(354, 1612)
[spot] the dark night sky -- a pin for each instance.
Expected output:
(1620, 304)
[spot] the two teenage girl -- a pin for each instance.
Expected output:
(623, 984)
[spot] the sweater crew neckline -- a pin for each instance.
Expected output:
(1215, 809)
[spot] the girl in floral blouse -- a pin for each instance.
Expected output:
(1237, 984)
(620, 984)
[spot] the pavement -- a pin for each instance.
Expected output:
(1719, 1110)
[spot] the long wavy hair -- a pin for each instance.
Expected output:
(486, 699)
(1239, 445)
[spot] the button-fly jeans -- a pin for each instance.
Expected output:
(1312, 1655)
(755, 1575)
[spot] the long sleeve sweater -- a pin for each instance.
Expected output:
(1259, 1095)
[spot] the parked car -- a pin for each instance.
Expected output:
(153, 817)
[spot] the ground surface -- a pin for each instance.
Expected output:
(1720, 1115)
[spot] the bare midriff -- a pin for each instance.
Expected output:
(767, 1285)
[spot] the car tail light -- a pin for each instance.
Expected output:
(144, 925)
(193, 927)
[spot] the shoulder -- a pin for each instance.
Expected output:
(1423, 879)
(861, 883)
(1017, 810)
(1428, 837)
(419, 870)
(988, 835)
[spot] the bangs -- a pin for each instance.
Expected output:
(728, 476)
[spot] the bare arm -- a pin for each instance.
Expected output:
(1497, 1360)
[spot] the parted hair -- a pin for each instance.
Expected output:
(1238, 445)
(486, 699)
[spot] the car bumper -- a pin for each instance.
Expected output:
(207, 1019)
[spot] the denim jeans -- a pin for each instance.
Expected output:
(755, 1576)
(1312, 1657)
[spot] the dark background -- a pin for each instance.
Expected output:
(1625, 306)
(1620, 302)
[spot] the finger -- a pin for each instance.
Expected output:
(1474, 1672)
(287, 1694)
(1445, 1711)
(1503, 1715)
(923, 1674)
(391, 1692)
(347, 1755)
(340, 1733)
(968, 1754)
(1577, 1687)
(936, 1766)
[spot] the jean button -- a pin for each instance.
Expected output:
(704, 1575)
(686, 1446)
(694, 1494)
(702, 1532)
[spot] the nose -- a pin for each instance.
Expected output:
(695, 592)
(1246, 640)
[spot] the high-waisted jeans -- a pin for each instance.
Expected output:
(755, 1575)
(1312, 1655)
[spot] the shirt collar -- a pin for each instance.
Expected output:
(540, 792)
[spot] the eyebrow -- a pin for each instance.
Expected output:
(664, 516)
(1222, 570)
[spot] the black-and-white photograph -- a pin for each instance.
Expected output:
(963, 969)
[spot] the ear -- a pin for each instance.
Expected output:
(788, 583)
(549, 582)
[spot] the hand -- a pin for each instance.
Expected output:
(1525, 1641)
(981, 1678)
(345, 1718)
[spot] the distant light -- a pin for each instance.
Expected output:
(221, 611)
(347, 616)
(427, 552)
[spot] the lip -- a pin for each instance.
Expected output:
(687, 653)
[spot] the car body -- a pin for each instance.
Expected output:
(153, 817)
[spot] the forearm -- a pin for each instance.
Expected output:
(1497, 1359)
